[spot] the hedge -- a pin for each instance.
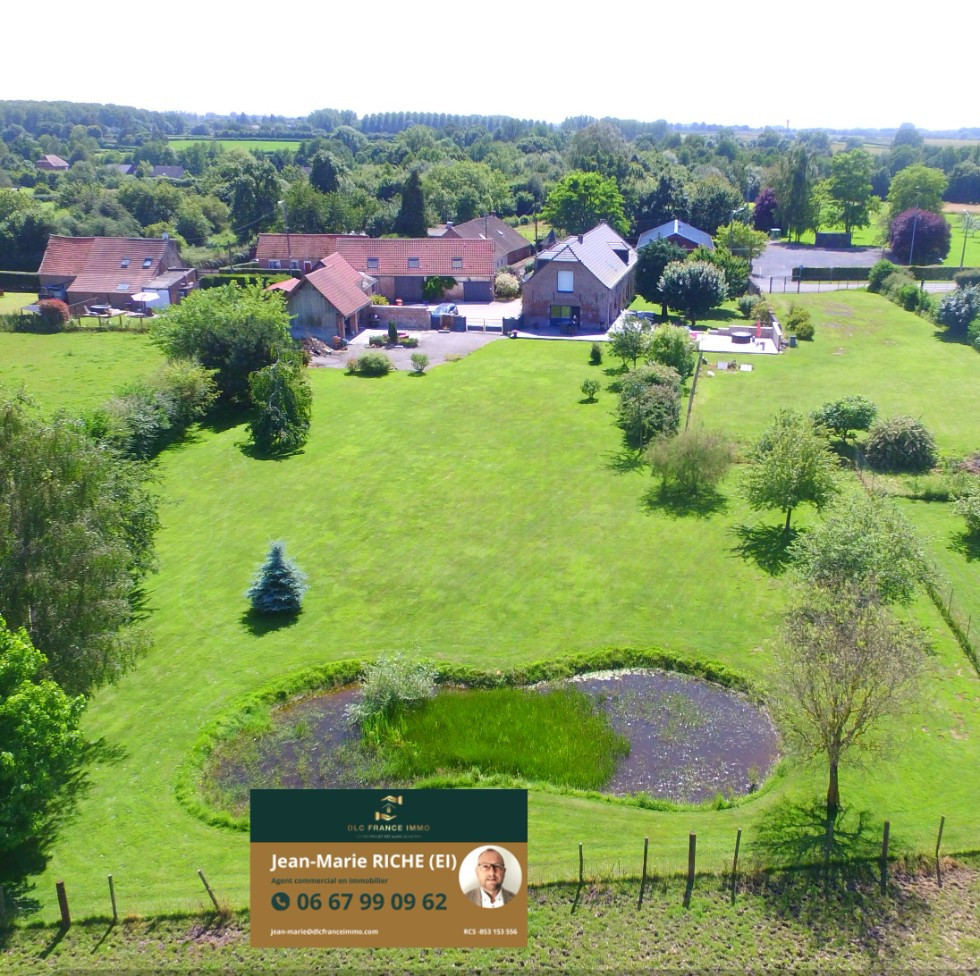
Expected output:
(935, 272)
(26, 281)
(262, 275)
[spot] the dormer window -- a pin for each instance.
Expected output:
(147, 262)
(413, 262)
(124, 263)
(457, 264)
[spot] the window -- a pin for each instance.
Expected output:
(147, 262)
(413, 262)
(124, 263)
(372, 264)
(457, 264)
(566, 281)
(122, 286)
(273, 264)
(307, 265)
(294, 265)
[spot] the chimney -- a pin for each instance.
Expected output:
(165, 236)
(581, 238)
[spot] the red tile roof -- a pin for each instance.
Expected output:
(52, 161)
(285, 286)
(300, 247)
(96, 263)
(340, 285)
(387, 256)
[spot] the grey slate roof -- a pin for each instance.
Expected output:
(601, 250)
(490, 228)
(676, 228)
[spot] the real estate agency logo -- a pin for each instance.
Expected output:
(387, 812)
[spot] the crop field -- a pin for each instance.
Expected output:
(262, 145)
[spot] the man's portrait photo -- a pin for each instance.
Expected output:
(485, 881)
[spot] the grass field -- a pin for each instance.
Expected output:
(74, 370)
(970, 258)
(777, 925)
(263, 145)
(485, 515)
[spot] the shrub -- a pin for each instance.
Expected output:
(279, 585)
(352, 365)
(595, 354)
(849, 413)
(805, 330)
(54, 314)
(959, 308)
(878, 273)
(762, 311)
(374, 364)
(409, 342)
(907, 297)
(900, 444)
(392, 334)
(968, 506)
(693, 462)
(379, 300)
(378, 341)
(506, 285)
(651, 374)
(746, 305)
(390, 681)
(590, 388)
(419, 362)
(967, 277)
(974, 333)
(646, 411)
(672, 345)
(797, 316)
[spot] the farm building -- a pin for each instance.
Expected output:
(677, 232)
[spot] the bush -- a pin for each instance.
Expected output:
(842, 416)
(392, 334)
(419, 362)
(959, 308)
(409, 342)
(279, 585)
(374, 364)
(672, 345)
(900, 444)
(352, 365)
(379, 300)
(878, 273)
(54, 314)
(805, 330)
(647, 411)
(590, 388)
(968, 506)
(967, 277)
(746, 305)
(693, 462)
(378, 341)
(907, 297)
(392, 680)
(595, 354)
(506, 286)
(797, 316)
(762, 311)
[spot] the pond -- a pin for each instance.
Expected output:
(690, 740)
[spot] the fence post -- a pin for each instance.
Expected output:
(112, 896)
(738, 842)
(643, 876)
(939, 840)
(63, 905)
(208, 887)
(884, 857)
(692, 846)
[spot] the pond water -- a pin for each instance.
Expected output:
(689, 740)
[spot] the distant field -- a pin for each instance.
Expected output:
(971, 258)
(860, 237)
(263, 145)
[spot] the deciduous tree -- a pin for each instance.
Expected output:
(580, 200)
(792, 464)
(651, 262)
(919, 237)
(917, 187)
(631, 340)
(849, 413)
(673, 346)
(848, 189)
(76, 539)
(845, 665)
(693, 287)
(794, 186)
(282, 404)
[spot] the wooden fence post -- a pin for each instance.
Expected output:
(643, 876)
(208, 887)
(884, 856)
(112, 896)
(63, 905)
(738, 842)
(581, 879)
(692, 846)
(939, 840)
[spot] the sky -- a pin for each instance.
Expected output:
(835, 65)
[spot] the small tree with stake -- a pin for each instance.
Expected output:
(279, 585)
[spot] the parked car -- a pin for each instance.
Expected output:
(446, 308)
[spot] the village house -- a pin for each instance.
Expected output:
(328, 302)
(583, 281)
(110, 270)
(677, 232)
(509, 246)
(52, 162)
(399, 265)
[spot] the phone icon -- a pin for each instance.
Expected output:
(280, 901)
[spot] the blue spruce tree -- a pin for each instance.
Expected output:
(279, 585)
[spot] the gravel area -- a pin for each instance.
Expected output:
(436, 345)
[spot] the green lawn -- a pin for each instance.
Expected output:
(74, 370)
(957, 257)
(485, 515)
(14, 301)
(860, 236)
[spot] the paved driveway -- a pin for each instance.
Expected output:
(436, 345)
